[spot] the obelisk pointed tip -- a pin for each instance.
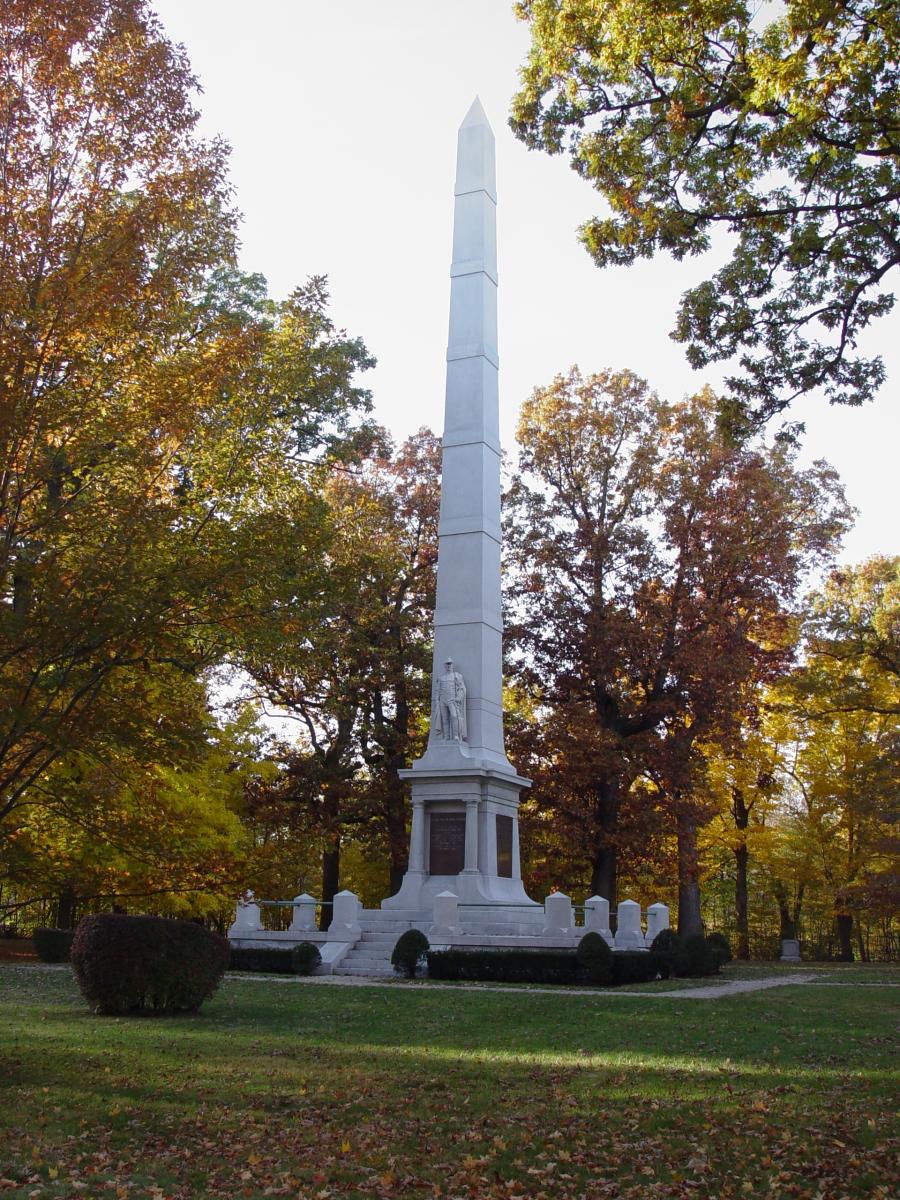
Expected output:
(475, 116)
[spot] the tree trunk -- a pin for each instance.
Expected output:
(65, 908)
(844, 924)
(398, 838)
(689, 919)
(741, 906)
(603, 877)
(741, 858)
(604, 866)
(788, 926)
(331, 874)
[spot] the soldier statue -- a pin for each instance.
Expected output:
(449, 711)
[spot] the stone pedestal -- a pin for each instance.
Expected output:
(790, 950)
(596, 918)
(629, 935)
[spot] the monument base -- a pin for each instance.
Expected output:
(465, 840)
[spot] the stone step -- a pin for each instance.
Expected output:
(369, 972)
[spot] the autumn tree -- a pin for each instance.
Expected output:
(161, 420)
(655, 566)
(780, 128)
(842, 710)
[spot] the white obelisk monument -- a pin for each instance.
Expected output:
(465, 793)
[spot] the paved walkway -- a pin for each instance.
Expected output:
(714, 991)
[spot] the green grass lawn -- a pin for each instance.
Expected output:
(299, 1090)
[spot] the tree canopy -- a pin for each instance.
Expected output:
(779, 126)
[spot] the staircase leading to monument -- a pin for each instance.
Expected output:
(372, 953)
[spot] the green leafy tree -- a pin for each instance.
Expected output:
(354, 673)
(780, 128)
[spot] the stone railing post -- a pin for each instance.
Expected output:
(345, 925)
(558, 917)
(596, 918)
(304, 918)
(628, 927)
(657, 921)
(247, 918)
(445, 923)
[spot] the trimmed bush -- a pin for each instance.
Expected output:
(409, 952)
(306, 958)
(699, 956)
(595, 957)
(720, 946)
(670, 947)
(136, 965)
(53, 945)
(505, 966)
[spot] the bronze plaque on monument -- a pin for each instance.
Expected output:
(504, 846)
(447, 849)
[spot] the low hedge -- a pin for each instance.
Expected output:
(638, 966)
(504, 966)
(548, 966)
(270, 960)
(132, 965)
(53, 945)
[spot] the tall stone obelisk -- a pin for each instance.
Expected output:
(465, 793)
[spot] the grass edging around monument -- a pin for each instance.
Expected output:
(406, 1090)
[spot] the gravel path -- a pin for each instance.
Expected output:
(713, 991)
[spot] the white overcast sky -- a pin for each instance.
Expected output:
(342, 118)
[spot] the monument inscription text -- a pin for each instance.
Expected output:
(447, 843)
(504, 846)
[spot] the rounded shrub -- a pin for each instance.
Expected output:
(699, 956)
(720, 946)
(53, 945)
(670, 947)
(595, 957)
(127, 965)
(306, 958)
(409, 952)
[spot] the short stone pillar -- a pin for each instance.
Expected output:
(628, 927)
(446, 918)
(304, 918)
(345, 925)
(596, 918)
(790, 950)
(558, 918)
(247, 918)
(657, 921)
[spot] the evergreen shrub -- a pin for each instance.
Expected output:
(133, 965)
(505, 966)
(700, 957)
(720, 946)
(409, 952)
(595, 957)
(669, 945)
(306, 958)
(53, 945)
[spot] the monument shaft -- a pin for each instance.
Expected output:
(464, 837)
(468, 621)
